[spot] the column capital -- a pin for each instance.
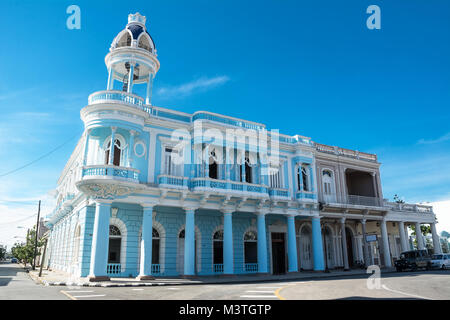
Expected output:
(190, 209)
(227, 211)
(148, 206)
(363, 221)
(113, 129)
(342, 220)
(133, 132)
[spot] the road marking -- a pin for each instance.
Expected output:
(90, 296)
(259, 291)
(255, 296)
(267, 287)
(137, 289)
(67, 295)
(404, 293)
(79, 291)
(173, 288)
(277, 293)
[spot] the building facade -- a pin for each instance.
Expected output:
(150, 191)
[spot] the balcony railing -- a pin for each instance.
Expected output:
(420, 208)
(346, 152)
(251, 267)
(176, 182)
(351, 200)
(218, 268)
(113, 269)
(116, 96)
(305, 195)
(156, 269)
(278, 193)
(110, 171)
(208, 184)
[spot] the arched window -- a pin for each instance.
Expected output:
(180, 254)
(218, 247)
(303, 182)
(250, 247)
(247, 169)
(144, 43)
(117, 152)
(155, 246)
(125, 40)
(327, 179)
(115, 243)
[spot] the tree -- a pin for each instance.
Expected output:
(2, 253)
(397, 199)
(24, 252)
(425, 229)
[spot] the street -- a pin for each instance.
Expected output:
(16, 284)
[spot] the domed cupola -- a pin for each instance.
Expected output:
(132, 58)
(135, 35)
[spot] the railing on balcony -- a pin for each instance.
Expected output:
(420, 208)
(95, 171)
(305, 195)
(205, 184)
(278, 193)
(116, 96)
(218, 268)
(251, 267)
(173, 181)
(346, 152)
(113, 268)
(156, 269)
(351, 200)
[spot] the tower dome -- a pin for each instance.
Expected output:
(135, 35)
(132, 58)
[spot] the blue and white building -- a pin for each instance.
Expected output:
(150, 191)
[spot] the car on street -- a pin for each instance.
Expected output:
(13, 260)
(440, 261)
(413, 260)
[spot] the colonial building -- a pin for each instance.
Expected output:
(150, 191)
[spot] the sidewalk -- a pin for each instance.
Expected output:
(58, 278)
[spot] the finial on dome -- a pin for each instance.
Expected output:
(136, 18)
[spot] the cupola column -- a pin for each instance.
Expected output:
(148, 100)
(110, 85)
(130, 78)
(111, 149)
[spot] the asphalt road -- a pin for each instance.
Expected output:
(16, 284)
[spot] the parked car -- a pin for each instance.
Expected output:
(413, 260)
(440, 261)
(13, 260)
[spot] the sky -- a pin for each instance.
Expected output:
(305, 67)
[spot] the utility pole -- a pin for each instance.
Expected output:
(36, 239)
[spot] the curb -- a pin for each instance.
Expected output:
(152, 284)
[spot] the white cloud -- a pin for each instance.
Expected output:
(189, 88)
(445, 137)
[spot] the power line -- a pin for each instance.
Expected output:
(40, 158)
(17, 221)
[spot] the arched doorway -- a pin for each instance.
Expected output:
(250, 251)
(349, 240)
(218, 251)
(114, 250)
(306, 260)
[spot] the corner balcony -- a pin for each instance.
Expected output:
(106, 171)
(173, 182)
(229, 187)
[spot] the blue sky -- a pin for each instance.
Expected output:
(304, 67)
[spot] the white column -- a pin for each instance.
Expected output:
(145, 268)
(111, 149)
(86, 147)
(148, 99)
(401, 231)
(419, 237)
(436, 242)
(130, 79)
(110, 85)
(365, 245)
(344, 245)
(386, 251)
(130, 148)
